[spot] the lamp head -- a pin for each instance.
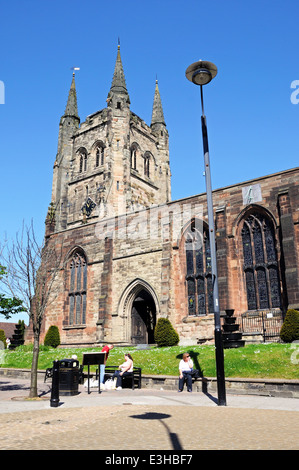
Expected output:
(201, 72)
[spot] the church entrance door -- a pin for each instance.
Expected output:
(143, 318)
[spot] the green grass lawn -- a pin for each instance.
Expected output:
(270, 360)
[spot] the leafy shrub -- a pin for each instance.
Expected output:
(3, 338)
(52, 337)
(290, 329)
(165, 334)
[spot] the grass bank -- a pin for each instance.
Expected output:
(270, 360)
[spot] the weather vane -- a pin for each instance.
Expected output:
(75, 68)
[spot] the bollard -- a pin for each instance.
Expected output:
(54, 402)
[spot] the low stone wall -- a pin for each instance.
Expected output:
(21, 373)
(238, 386)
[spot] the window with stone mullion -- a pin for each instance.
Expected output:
(198, 273)
(77, 290)
(260, 263)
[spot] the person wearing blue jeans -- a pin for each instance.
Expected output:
(106, 350)
(185, 369)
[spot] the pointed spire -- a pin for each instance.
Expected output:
(157, 114)
(71, 106)
(118, 82)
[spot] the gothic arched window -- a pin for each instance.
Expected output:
(82, 160)
(147, 166)
(100, 156)
(134, 157)
(77, 289)
(198, 275)
(260, 262)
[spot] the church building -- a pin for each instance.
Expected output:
(132, 255)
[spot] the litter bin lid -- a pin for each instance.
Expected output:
(69, 363)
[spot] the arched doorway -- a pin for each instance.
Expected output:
(143, 318)
(139, 309)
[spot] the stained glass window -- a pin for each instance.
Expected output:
(274, 286)
(77, 289)
(201, 297)
(191, 296)
(262, 288)
(247, 246)
(250, 287)
(198, 269)
(260, 262)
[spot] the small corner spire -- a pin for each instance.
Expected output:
(118, 81)
(157, 114)
(71, 106)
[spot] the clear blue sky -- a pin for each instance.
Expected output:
(252, 124)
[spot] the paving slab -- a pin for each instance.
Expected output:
(144, 420)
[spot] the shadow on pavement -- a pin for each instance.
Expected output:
(176, 445)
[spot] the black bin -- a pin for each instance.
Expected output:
(68, 377)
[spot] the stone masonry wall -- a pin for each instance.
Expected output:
(146, 247)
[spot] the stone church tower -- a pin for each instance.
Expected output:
(107, 169)
(111, 163)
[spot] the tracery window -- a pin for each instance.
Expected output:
(199, 271)
(77, 289)
(260, 263)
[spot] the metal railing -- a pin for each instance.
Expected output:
(266, 323)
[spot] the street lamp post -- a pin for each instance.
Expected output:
(200, 73)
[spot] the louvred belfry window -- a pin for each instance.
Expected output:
(147, 166)
(260, 263)
(133, 157)
(198, 275)
(82, 160)
(100, 156)
(77, 289)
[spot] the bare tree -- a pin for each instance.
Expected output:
(31, 272)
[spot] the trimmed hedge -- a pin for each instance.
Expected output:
(165, 334)
(52, 337)
(290, 329)
(3, 338)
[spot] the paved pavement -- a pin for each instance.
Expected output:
(144, 419)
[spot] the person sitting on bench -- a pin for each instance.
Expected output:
(185, 369)
(124, 369)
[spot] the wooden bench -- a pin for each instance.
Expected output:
(134, 377)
